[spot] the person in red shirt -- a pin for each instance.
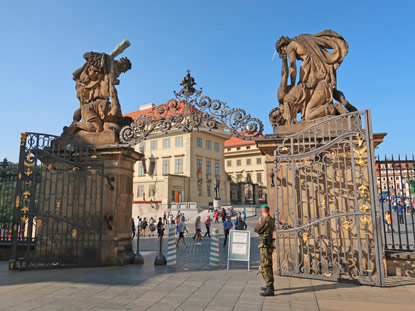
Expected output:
(207, 225)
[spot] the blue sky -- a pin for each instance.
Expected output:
(228, 45)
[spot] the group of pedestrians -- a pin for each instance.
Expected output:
(142, 225)
(179, 221)
(400, 207)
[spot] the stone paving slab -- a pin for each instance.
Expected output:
(191, 285)
(164, 288)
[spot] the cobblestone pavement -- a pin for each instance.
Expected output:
(191, 285)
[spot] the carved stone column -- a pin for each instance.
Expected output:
(117, 204)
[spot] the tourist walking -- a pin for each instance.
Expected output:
(176, 223)
(171, 220)
(239, 222)
(160, 229)
(207, 225)
(227, 225)
(144, 225)
(152, 226)
(244, 214)
(165, 218)
(139, 224)
(388, 221)
(198, 231)
(182, 229)
(401, 209)
(223, 214)
(132, 228)
(216, 216)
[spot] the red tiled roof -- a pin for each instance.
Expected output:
(152, 112)
(234, 141)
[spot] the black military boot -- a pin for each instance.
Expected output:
(265, 288)
(268, 292)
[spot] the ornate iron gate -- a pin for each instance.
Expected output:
(328, 226)
(57, 219)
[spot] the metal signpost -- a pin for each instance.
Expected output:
(239, 246)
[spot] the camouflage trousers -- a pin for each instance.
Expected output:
(266, 266)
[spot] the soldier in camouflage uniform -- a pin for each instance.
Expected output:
(265, 228)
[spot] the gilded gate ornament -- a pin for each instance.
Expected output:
(346, 225)
(23, 137)
(365, 208)
(48, 167)
(363, 189)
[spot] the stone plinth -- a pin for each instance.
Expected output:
(99, 140)
(117, 204)
(216, 204)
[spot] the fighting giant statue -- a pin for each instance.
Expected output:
(321, 54)
(95, 88)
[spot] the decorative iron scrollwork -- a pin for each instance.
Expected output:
(188, 112)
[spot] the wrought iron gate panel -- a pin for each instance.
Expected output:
(8, 179)
(326, 204)
(57, 220)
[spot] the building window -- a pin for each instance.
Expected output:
(199, 166)
(208, 144)
(248, 147)
(179, 166)
(199, 142)
(152, 168)
(142, 147)
(216, 146)
(199, 189)
(166, 143)
(238, 162)
(208, 167)
(140, 169)
(166, 164)
(238, 148)
(259, 178)
(229, 149)
(179, 141)
(151, 190)
(154, 145)
(248, 161)
(208, 190)
(140, 191)
(216, 169)
(229, 163)
(258, 160)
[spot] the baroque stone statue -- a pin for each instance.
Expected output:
(321, 54)
(95, 88)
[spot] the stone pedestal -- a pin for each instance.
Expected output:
(117, 204)
(216, 204)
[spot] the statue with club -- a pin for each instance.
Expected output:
(95, 88)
